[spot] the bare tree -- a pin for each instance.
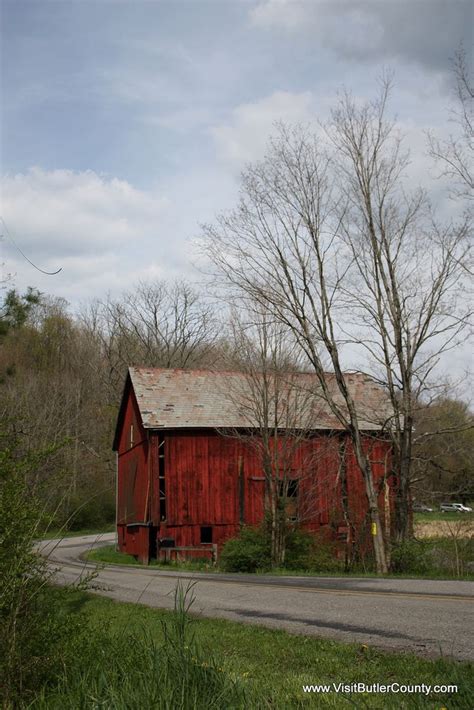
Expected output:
(270, 396)
(455, 154)
(171, 323)
(154, 325)
(405, 273)
(280, 248)
(326, 236)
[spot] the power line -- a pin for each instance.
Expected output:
(48, 273)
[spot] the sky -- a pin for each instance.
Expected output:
(125, 123)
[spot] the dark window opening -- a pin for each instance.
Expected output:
(206, 535)
(291, 488)
(289, 498)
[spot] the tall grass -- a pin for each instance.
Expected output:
(127, 671)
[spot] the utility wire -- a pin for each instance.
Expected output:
(48, 273)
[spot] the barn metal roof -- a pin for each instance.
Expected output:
(174, 399)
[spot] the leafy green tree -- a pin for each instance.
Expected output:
(16, 308)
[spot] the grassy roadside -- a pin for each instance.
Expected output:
(272, 666)
(109, 555)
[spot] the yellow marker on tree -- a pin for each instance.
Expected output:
(374, 528)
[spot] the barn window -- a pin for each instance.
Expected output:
(290, 500)
(292, 488)
(131, 436)
(206, 535)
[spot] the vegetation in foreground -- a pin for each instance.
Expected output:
(133, 666)
(140, 657)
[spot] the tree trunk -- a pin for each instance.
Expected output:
(376, 527)
(403, 519)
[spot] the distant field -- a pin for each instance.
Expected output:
(439, 515)
(448, 525)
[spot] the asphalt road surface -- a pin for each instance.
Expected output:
(427, 617)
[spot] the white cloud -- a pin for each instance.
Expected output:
(104, 233)
(88, 224)
(67, 212)
(245, 136)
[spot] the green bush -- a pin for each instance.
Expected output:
(299, 546)
(410, 556)
(446, 556)
(322, 556)
(249, 552)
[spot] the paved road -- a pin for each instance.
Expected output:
(425, 616)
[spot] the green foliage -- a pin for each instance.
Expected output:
(322, 556)
(132, 670)
(452, 556)
(299, 546)
(35, 634)
(15, 309)
(433, 557)
(410, 556)
(249, 552)
(268, 666)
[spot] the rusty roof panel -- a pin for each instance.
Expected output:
(211, 399)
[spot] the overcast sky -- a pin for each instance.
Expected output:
(125, 123)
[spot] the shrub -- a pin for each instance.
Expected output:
(299, 547)
(249, 552)
(451, 556)
(434, 556)
(323, 557)
(410, 556)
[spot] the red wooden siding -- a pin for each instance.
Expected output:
(132, 483)
(173, 483)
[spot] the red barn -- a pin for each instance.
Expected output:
(189, 473)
